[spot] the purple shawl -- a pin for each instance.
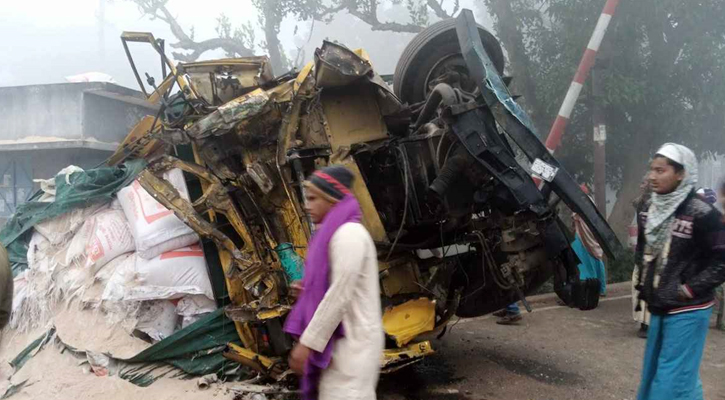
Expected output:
(315, 284)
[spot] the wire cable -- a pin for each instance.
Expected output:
(405, 206)
(487, 257)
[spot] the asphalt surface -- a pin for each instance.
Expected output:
(555, 353)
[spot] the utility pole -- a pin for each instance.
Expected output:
(585, 65)
(600, 140)
(582, 72)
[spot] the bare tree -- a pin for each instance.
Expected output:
(509, 27)
(240, 41)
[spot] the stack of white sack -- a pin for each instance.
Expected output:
(155, 228)
(53, 273)
(168, 266)
(134, 257)
(40, 287)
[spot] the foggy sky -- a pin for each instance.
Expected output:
(46, 40)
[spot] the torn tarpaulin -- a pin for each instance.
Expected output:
(80, 189)
(26, 354)
(31, 350)
(195, 350)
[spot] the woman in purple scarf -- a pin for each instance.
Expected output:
(337, 317)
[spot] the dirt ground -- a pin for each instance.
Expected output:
(556, 353)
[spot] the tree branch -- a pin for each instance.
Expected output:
(376, 25)
(513, 40)
(370, 17)
(438, 9)
(199, 48)
(272, 18)
(156, 9)
(329, 11)
(272, 13)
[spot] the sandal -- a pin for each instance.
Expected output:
(510, 319)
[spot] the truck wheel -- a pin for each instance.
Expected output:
(433, 52)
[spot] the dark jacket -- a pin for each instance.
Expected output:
(695, 263)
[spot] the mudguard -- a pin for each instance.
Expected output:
(516, 123)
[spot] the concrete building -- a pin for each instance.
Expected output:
(44, 128)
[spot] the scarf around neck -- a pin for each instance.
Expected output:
(662, 208)
(315, 282)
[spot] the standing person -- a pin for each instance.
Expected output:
(682, 253)
(639, 307)
(6, 288)
(338, 316)
(708, 195)
(589, 251)
(720, 322)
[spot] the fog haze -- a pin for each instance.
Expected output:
(46, 41)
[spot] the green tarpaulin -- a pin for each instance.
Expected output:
(193, 351)
(82, 189)
(31, 350)
(196, 350)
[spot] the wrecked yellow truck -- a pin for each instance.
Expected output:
(460, 226)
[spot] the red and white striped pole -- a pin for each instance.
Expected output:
(586, 63)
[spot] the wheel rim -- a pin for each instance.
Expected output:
(451, 63)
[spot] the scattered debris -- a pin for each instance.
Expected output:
(207, 380)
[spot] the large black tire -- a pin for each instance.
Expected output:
(434, 43)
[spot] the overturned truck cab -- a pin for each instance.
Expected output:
(443, 165)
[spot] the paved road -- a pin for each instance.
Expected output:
(556, 353)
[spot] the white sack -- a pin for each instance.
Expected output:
(93, 296)
(105, 273)
(51, 268)
(172, 275)
(157, 319)
(155, 228)
(62, 228)
(169, 245)
(194, 307)
(121, 275)
(103, 237)
(110, 237)
(48, 282)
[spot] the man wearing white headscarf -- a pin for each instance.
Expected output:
(681, 250)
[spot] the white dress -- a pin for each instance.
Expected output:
(354, 299)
